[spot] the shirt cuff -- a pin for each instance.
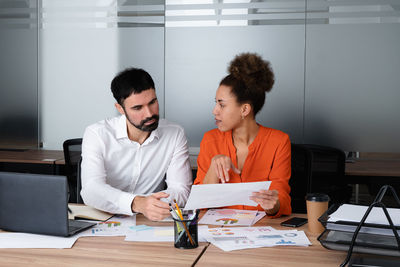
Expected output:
(125, 203)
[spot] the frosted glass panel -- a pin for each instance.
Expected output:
(198, 54)
(353, 78)
(18, 75)
(84, 45)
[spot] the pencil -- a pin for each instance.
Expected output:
(183, 223)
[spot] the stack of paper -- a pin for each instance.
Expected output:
(235, 238)
(231, 217)
(354, 213)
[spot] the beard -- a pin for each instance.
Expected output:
(146, 128)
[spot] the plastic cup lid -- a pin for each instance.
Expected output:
(318, 197)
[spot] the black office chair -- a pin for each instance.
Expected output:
(328, 166)
(72, 154)
(79, 183)
(300, 178)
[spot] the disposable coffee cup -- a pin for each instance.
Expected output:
(317, 204)
(185, 232)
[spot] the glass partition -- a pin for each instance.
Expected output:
(18, 74)
(353, 75)
(202, 37)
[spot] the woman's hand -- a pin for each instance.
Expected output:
(221, 165)
(219, 170)
(268, 200)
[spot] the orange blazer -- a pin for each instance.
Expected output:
(268, 159)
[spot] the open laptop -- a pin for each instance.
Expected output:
(36, 203)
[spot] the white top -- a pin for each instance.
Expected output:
(116, 169)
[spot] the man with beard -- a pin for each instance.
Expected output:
(128, 160)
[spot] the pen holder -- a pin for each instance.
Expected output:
(185, 232)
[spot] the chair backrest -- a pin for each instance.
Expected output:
(79, 182)
(72, 154)
(328, 169)
(301, 177)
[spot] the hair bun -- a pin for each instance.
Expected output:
(253, 71)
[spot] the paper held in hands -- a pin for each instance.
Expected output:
(221, 195)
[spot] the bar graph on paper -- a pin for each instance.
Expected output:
(119, 226)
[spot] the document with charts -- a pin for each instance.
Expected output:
(234, 238)
(231, 217)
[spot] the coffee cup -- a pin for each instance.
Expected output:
(317, 204)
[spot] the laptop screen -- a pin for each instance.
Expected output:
(34, 203)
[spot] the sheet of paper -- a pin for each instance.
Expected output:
(354, 213)
(230, 217)
(158, 234)
(259, 216)
(220, 195)
(116, 226)
(235, 238)
(23, 240)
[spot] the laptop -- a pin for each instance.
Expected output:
(36, 203)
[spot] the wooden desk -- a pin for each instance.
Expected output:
(374, 167)
(31, 156)
(114, 251)
(33, 161)
(314, 255)
(373, 170)
(105, 252)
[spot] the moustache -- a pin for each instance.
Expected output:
(154, 117)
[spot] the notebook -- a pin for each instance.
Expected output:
(36, 203)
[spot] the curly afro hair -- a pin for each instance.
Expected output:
(250, 77)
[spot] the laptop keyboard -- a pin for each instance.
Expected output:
(74, 226)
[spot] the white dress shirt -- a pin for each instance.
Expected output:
(116, 169)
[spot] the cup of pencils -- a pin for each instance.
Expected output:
(185, 229)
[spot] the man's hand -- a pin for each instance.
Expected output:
(151, 206)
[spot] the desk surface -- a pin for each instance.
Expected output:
(31, 156)
(114, 251)
(374, 167)
(314, 255)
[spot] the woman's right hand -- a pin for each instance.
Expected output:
(221, 165)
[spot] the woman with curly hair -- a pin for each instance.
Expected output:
(241, 150)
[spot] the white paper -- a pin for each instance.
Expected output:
(220, 195)
(116, 226)
(354, 213)
(229, 217)
(23, 240)
(259, 216)
(234, 238)
(159, 234)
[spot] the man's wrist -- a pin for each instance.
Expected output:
(135, 204)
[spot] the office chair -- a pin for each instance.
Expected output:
(79, 183)
(300, 177)
(328, 166)
(72, 154)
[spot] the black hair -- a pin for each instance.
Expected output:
(250, 77)
(130, 81)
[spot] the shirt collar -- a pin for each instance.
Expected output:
(121, 130)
